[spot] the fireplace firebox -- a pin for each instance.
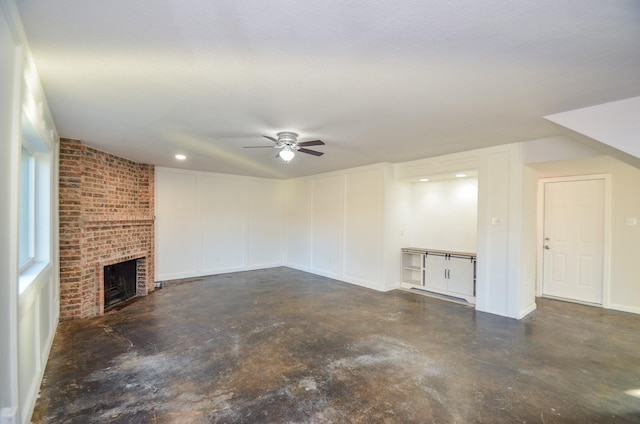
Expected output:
(120, 282)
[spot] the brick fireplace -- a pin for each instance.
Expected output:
(106, 217)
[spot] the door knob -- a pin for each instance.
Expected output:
(547, 247)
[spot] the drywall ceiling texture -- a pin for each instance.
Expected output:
(378, 81)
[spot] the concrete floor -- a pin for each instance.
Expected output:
(284, 346)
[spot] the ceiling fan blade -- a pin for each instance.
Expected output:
(275, 140)
(259, 147)
(311, 152)
(312, 143)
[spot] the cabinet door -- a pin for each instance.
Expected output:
(460, 275)
(436, 271)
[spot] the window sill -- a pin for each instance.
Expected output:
(30, 274)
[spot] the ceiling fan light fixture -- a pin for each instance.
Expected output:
(289, 145)
(286, 154)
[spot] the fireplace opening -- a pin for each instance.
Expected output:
(120, 282)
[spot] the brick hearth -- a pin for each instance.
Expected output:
(106, 216)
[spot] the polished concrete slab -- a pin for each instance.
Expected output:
(284, 346)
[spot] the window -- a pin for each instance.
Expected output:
(35, 205)
(26, 218)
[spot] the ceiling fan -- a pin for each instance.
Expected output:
(288, 144)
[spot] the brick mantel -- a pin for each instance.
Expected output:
(106, 216)
(98, 219)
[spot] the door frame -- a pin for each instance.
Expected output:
(606, 248)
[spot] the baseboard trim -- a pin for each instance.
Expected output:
(526, 311)
(624, 308)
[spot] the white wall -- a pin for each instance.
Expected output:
(210, 223)
(299, 195)
(555, 149)
(624, 287)
(502, 244)
(445, 214)
(177, 238)
(351, 224)
(327, 225)
(9, 61)
(493, 291)
(266, 222)
(29, 314)
(338, 225)
(334, 229)
(528, 257)
(364, 226)
(398, 226)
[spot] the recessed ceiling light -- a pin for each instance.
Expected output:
(180, 157)
(461, 175)
(424, 180)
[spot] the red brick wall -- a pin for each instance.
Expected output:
(106, 216)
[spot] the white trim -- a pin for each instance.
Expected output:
(606, 243)
(29, 275)
(471, 300)
(299, 267)
(624, 308)
(24, 307)
(569, 300)
(526, 311)
(30, 164)
(539, 235)
(9, 14)
(215, 271)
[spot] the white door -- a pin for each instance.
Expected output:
(573, 242)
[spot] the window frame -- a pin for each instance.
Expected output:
(40, 146)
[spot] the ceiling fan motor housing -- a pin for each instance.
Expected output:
(287, 138)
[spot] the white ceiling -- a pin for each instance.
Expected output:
(377, 80)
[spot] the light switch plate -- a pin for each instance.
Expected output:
(631, 222)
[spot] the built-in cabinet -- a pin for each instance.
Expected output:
(440, 271)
